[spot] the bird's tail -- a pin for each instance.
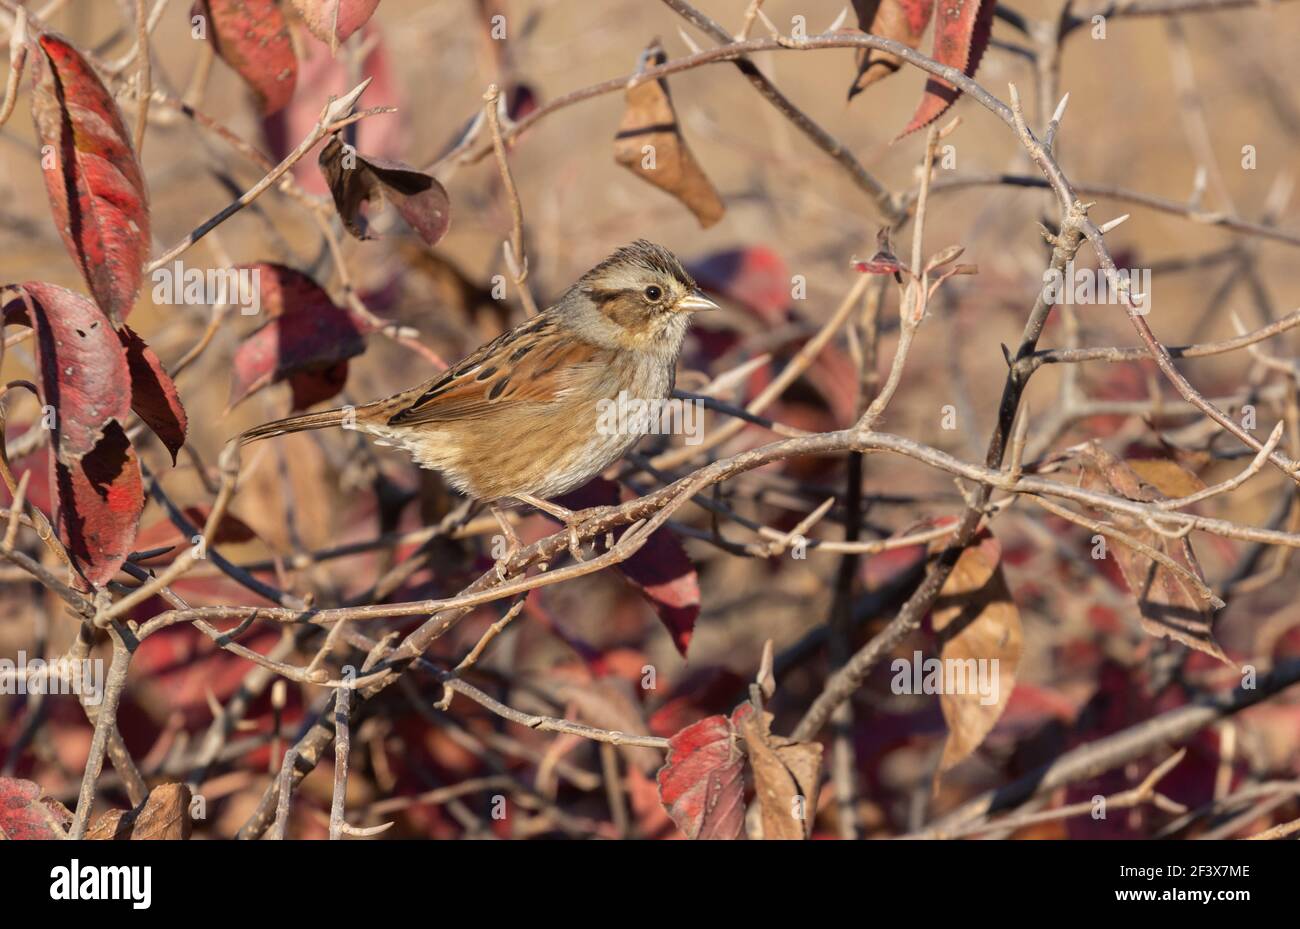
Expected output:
(321, 420)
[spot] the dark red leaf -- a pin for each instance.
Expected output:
(702, 784)
(94, 182)
(164, 534)
(153, 394)
(253, 38)
(961, 34)
(308, 334)
(334, 20)
(83, 371)
(99, 501)
(25, 814)
(659, 569)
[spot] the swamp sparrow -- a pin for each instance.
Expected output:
(518, 418)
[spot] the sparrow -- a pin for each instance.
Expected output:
(517, 419)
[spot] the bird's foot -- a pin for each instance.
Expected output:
(566, 516)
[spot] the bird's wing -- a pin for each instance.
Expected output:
(531, 363)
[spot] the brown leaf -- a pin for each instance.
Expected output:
(164, 815)
(95, 185)
(1169, 606)
(650, 144)
(901, 20)
(702, 783)
(976, 621)
(787, 776)
(356, 180)
(253, 38)
(1166, 476)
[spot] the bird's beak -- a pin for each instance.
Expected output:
(694, 303)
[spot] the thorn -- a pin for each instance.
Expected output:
(1006, 354)
(341, 107)
(1198, 186)
(1060, 109)
(839, 21)
(18, 35)
(1113, 224)
(690, 43)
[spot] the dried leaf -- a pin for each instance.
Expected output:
(901, 20)
(650, 144)
(165, 814)
(977, 621)
(95, 185)
(787, 776)
(702, 783)
(1169, 606)
(355, 180)
(1166, 476)
(252, 37)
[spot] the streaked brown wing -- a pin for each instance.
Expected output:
(528, 364)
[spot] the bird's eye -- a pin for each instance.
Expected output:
(653, 293)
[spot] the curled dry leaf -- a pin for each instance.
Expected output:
(702, 783)
(332, 21)
(787, 775)
(901, 20)
(1169, 606)
(95, 185)
(307, 341)
(355, 180)
(25, 814)
(978, 625)
(165, 814)
(252, 37)
(650, 144)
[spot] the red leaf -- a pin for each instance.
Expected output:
(83, 370)
(99, 500)
(153, 394)
(308, 334)
(95, 185)
(25, 814)
(164, 534)
(702, 784)
(253, 38)
(329, 18)
(961, 34)
(660, 568)
(755, 277)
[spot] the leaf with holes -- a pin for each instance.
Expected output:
(252, 37)
(95, 185)
(305, 342)
(650, 144)
(358, 181)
